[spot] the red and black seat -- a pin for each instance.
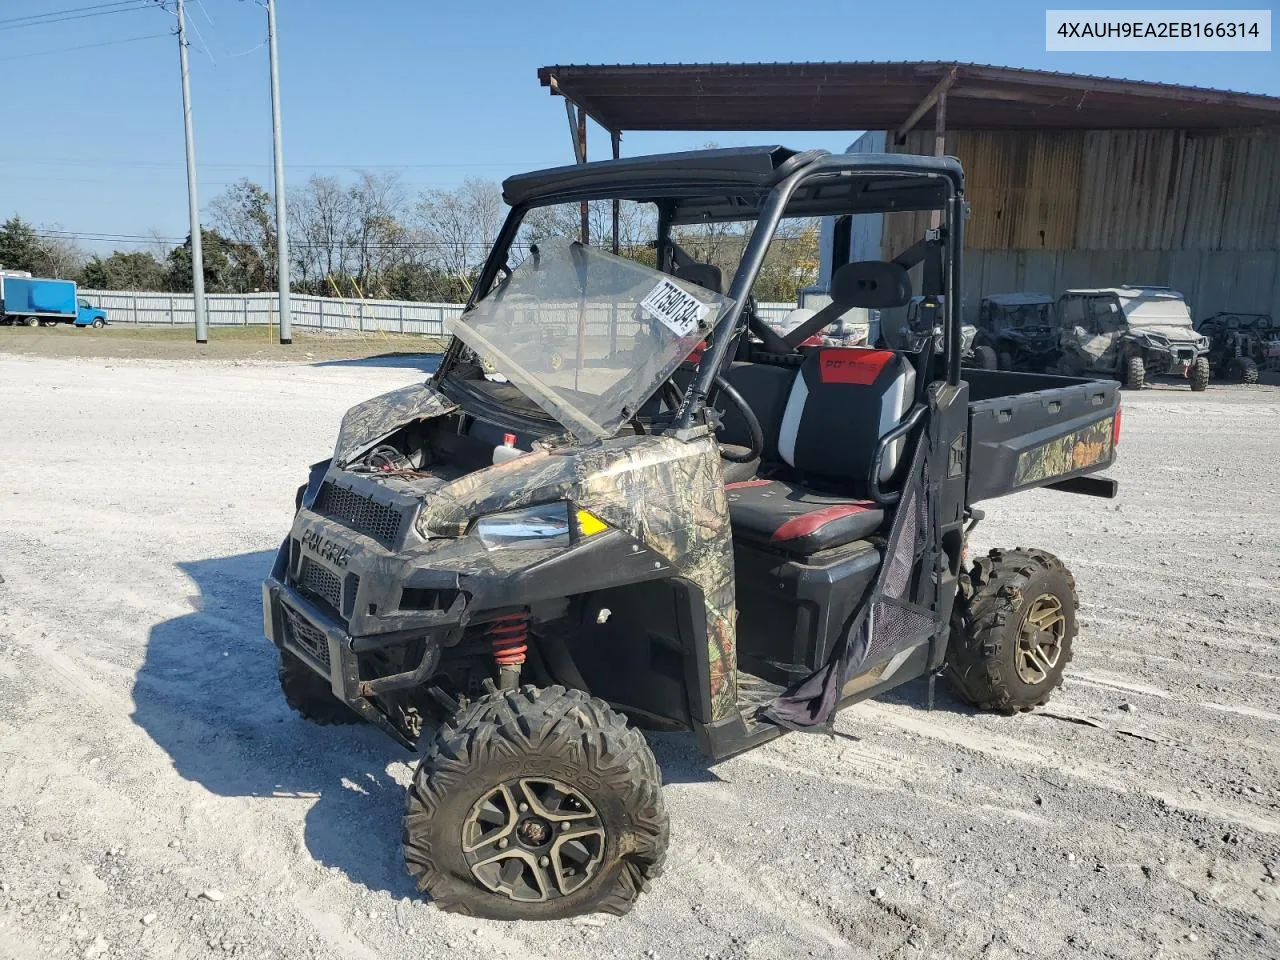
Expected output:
(841, 403)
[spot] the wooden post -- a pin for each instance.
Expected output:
(584, 207)
(939, 145)
(616, 139)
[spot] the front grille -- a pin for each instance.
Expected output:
(374, 519)
(304, 635)
(320, 583)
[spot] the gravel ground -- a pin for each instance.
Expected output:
(157, 799)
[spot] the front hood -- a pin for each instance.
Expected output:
(1172, 332)
(368, 423)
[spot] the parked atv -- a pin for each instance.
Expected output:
(1019, 329)
(1241, 344)
(1131, 334)
(519, 566)
(926, 317)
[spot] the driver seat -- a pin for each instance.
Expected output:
(841, 403)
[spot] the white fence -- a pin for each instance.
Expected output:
(309, 313)
(260, 309)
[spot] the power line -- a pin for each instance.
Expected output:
(133, 5)
(71, 161)
(58, 13)
(85, 46)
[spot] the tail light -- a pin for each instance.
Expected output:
(1115, 429)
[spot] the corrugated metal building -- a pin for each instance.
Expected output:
(1073, 180)
(1051, 209)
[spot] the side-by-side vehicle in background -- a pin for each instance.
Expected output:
(521, 562)
(1018, 330)
(1131, 334)
(1242, 344)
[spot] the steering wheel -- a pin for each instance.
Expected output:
(756, 449)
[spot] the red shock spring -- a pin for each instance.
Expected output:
(508, 637)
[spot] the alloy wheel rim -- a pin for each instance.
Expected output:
(1040, 639)
(533, 839)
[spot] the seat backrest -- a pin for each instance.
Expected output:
(766, 388)
(841, 403)
(705, 275)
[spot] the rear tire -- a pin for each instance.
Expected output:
(1199, 374)
(984, 358)
(1248, 370)
(1012, 633)
(489, 782)
(32, 321)
(1135, 373)
(310, 696)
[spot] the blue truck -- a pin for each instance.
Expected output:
(35, 302)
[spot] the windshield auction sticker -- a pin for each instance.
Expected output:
(1138, 31)
(679, 312)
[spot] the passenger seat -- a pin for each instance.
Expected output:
(839, 406)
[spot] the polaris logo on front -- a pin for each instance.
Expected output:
(326, 549)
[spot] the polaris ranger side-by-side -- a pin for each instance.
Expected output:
(523, 561)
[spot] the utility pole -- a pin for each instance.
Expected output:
(197, 251)
(282, 230)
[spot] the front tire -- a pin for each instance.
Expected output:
(310, 696)
(1012, 634)
(99, 324)
(1135, 373)
(1200, 375)
(984, 358)
(535, 804)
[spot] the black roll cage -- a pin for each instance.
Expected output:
(813, 172)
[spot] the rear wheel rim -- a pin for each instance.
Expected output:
(533, 839)
(1040, 638)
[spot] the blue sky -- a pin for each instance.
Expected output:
(436, 91)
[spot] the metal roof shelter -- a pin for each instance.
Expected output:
(889, 96)
(1075, 181)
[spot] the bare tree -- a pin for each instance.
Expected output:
(57, 256)
(321, 225)
(379, 239)
(457, 227)
(245, 214)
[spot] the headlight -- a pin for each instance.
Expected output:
(546, 525)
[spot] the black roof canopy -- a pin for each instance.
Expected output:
(732, 183)
(883, 95)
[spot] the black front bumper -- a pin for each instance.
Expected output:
(318, 639)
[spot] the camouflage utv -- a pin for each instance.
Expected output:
(1019, 330)
(1131, 334)
(516, 564)
(1241, 344)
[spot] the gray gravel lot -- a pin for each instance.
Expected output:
(157, 798)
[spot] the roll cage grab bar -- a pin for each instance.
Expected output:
(724, 336)
(726, 331)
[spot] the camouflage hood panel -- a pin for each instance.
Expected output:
(367, 423)
(668, 494)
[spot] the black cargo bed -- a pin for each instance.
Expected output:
(1034, 429)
